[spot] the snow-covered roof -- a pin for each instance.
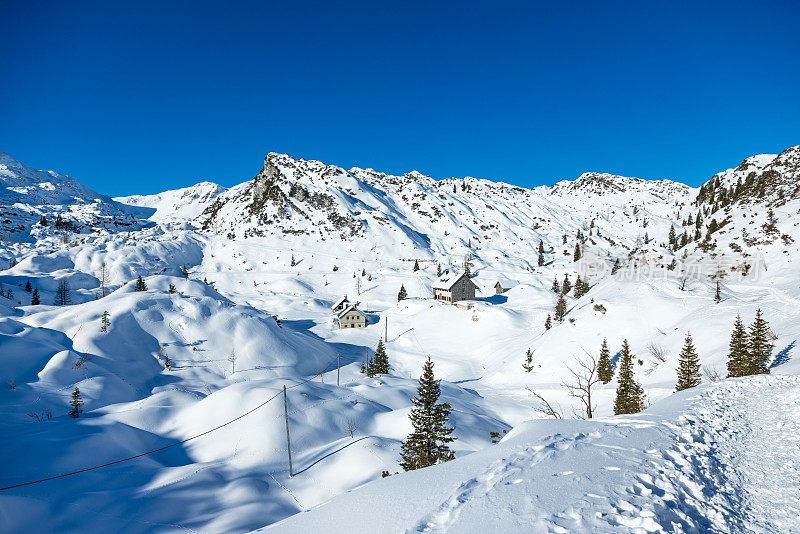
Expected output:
(339, 302)
(448, 280)
(506, 283)
(349, 309)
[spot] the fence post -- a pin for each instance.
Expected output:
(288, 443)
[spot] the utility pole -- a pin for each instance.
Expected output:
(338, 364)
(288, 443)
(386, 331)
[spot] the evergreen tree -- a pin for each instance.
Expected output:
(566, 285)
(140, 285)
(556, 286)
(28, 287)
(105, 321)
(528, 364)
(560, 308)
(630, 396)
(717, 296)
(439, 268)
(577, 254)
(185, 273)
(43, 221)
(684, 240)
(688, 366)
(380, 362)
(759, 347)
(541, 247)
(402, 293)
(541, 260)
(548, 323)
(292, 263)
(62, 297)
(35, 297)
(172, 289)
(615, 268)
(605, 372)
(672, 241)
(738, 356)
(76, 403)
(427, 443)
(416, 266)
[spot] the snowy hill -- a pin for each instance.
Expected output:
(710, 460)
(239, 284)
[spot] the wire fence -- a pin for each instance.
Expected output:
(175, 444)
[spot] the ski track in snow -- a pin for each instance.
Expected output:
(732, 467)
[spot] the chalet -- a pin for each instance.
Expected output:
(351, 317)
(340, 305)
(504, 284)
(452, 287)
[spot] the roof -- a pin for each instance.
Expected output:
(349, 309)
(449, 279)
(339, 302)
(506, 283)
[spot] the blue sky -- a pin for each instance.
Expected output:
(147, 96)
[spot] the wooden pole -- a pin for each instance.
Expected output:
(386, 331)
(338, 364)
(288, 443)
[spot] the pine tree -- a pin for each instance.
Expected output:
(76, 403)
(105, 321)
(28, 287)
(402, 293)
(556, 286)
(615, 268)
(605, 372)
(759, 347)
(548, 323)
(380, 362)
(630, 396)
(565, 287)
(293, 263)
(560, 308)
(672, 241)
(738, 356)
(416, 266)
(140, 285)
(427, 443)
(528, 364)
(541, 247)
(35, 297)
(439, 268)
(688, 366)
(541, 260)
(577, 254)
(717, 296)
(185, 273)
(172, 289)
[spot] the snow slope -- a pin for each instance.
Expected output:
(358, 233)
(721, 458)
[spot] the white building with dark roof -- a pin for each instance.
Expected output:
(351, 317)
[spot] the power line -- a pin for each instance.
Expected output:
(165, 446)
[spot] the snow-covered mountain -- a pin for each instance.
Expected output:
(27, 195)
(239, 284)
(177, 205)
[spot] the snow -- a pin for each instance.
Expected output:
(712, 459)
(706, 459)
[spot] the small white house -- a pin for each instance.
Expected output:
(452, 287)
(351, 317)
(504, 284)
